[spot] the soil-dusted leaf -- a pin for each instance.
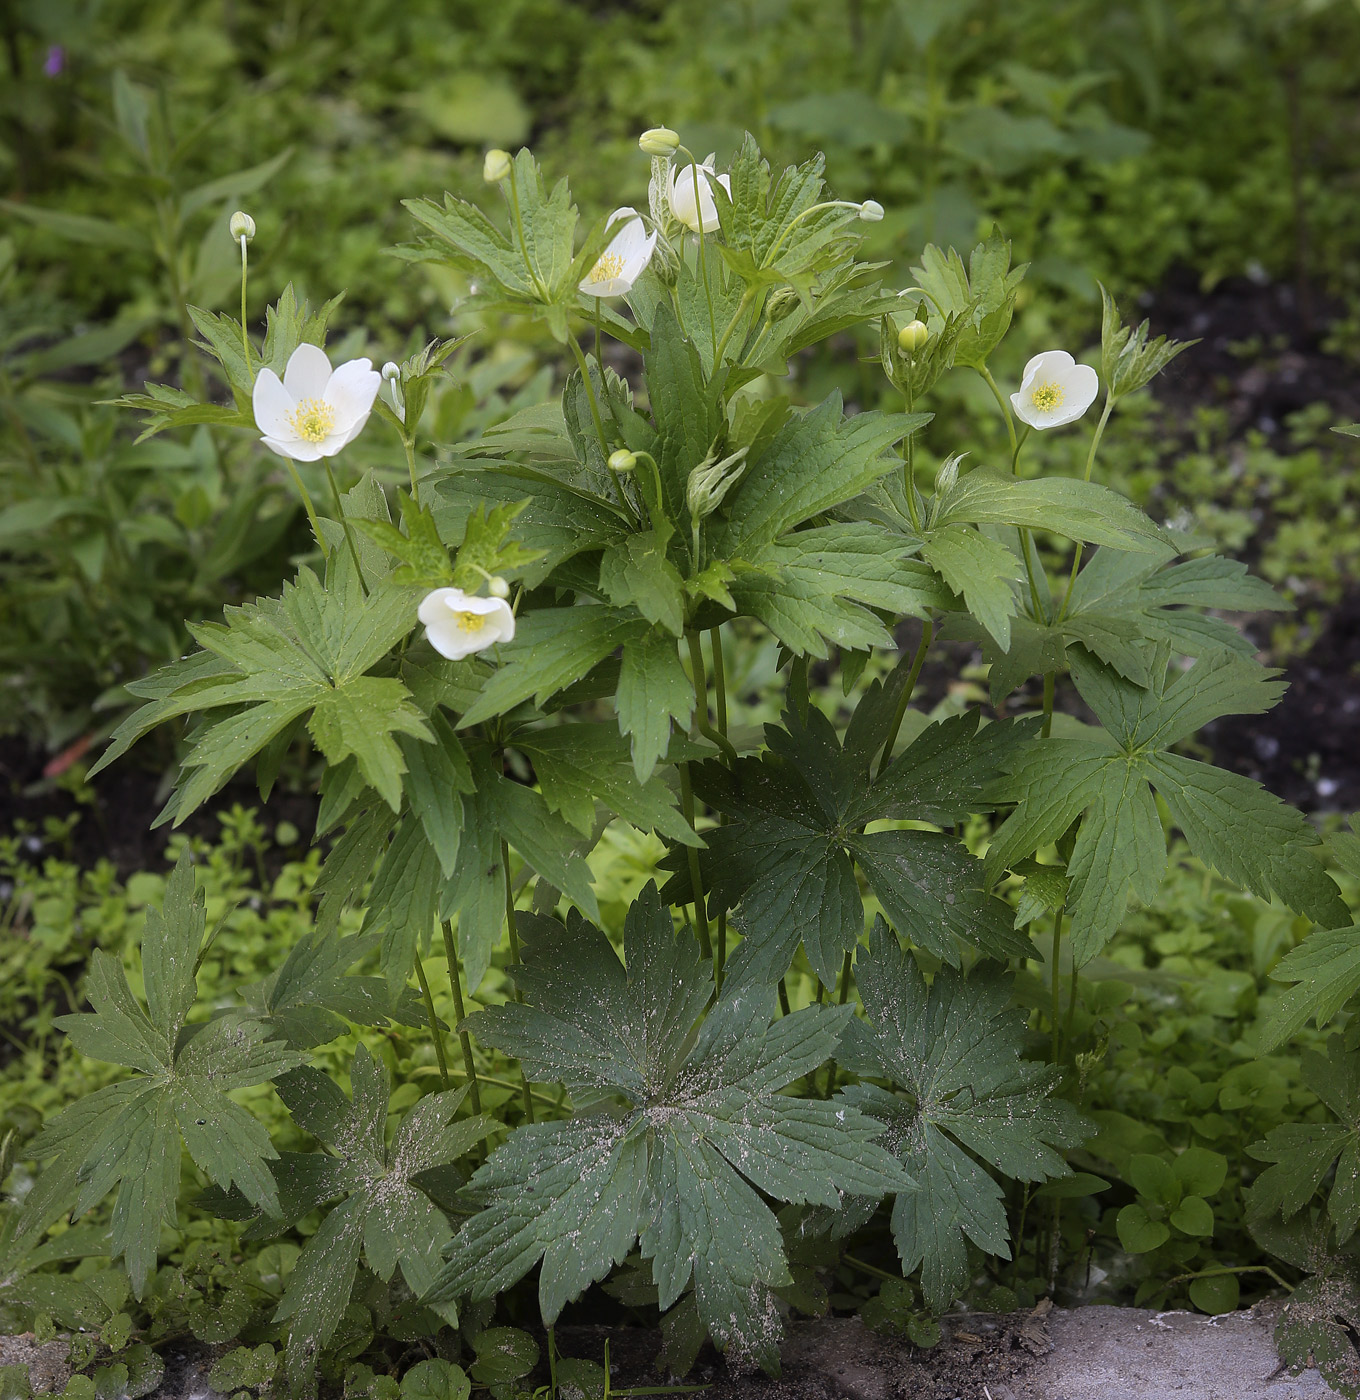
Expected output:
(798, 815)
(383, 1213)
(953, 1053)
(701, 1131)
(1318, 1325)
(129, 1135)
(1230, 822)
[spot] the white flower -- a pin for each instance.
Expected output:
(681, 193)
(621, 264)
(458, 623)
(314, 411)
(1054, 390)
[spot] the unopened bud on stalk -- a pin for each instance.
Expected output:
(871, 211)
(622, 460)
(912, 336)
(241, 226)
(496, 166)
(498, 588)
(391, 371)
(659, 141)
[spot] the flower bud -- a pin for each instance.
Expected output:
(871, 211)
(782, 301)
(498, 588)
(912, 337)
(391, 371)
(241, 226)
(659, 141)
(496, 166)
(622, 460)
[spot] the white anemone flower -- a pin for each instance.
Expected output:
(690, 194)
(1054, 390)
(314, 410)
(622, 263)
(458, 623)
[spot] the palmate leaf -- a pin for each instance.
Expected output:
(797, 830)
(278, 659)
(1325, 970)
(1230, 822)
(382, 1213)
(128, 1135)
(953, 1053)
(1303, 1153)
(680, 1130)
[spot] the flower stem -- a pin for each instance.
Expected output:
(464, 1038)
(408, 442)
(1090, 462)
(434, 1024)
(917, 661)
(700, 683)
(513, 928)
(703, 261)
(1005, 409)
(719, 678)
(345, 526)
(1015, 459)
(1050, 685)
(245, 339)
(584, 367)
(696, 885)
(1057, 984)
(309, 508)
(746, 298)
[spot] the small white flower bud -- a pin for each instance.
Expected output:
(622, 461)
(913, 336)
(498, 588)
(241, 226)
(391, 371)
(659, 141)
(496, 166)
(871, 211)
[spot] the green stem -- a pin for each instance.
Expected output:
(434, 1023)
(1071, 1007)
(1004, 406)
(1090, 462)
(1057, 984)
(1020, 1232)
(408, 441)
(1050, 686)
(703, 261)
(719, 678)
(746, 299)
(783, 997)
(696, 885)
(245, 339)
(1219, 1272)
(917, 661)
(309, 508)
(768, 259)
(842, 998)
(720, 952)
(871, 1269)
(513, 928)
(346, 527)
(464, 1038)
(599, 336)
(700, 683)
(584, 367)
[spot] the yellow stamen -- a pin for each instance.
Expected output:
(609, 267)
(313, 420)
(471, 621)
(1047, 397)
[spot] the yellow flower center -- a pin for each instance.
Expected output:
(471, 621)
(1047, 397)
(609, 266)
(313, 420)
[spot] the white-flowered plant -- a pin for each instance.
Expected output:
(657, 520)
(1054, 390)
(689, 192)
(458, 623)
(314, 410)
(624, 260)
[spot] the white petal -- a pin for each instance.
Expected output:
(307, 372)
(273, 405)
(440, 610)
(350, 391)
(626, 211)
(435, 605)
(296, 448)
(1051, 363)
